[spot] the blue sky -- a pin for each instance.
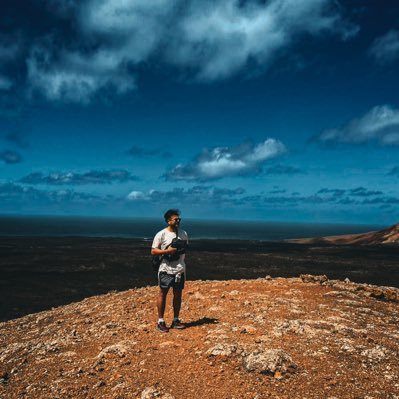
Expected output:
(273, 110)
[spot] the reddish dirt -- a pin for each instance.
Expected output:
(343, 343)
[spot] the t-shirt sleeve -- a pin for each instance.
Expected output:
(156, 243)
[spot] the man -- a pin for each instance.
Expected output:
(170, 243)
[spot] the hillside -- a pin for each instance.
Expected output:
(281, 338)
(389, 235)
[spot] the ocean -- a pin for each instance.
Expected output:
(145, 228)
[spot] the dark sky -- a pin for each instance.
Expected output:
(275, 110)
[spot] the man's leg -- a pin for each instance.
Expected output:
(161, 301)
(177, 294)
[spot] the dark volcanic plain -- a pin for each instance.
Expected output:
(40, 273)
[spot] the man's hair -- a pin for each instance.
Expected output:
(169, 213)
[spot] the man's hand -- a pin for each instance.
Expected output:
(158, 251)
(170, 250)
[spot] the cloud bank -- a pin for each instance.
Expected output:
(211, 195)
(205, 40)
(380, 125)
(92, 177)
(194, 195)
(219, 162)
(385, 49)
(353, 192)
(16, 195)
(10, 157)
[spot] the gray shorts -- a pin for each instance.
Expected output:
(166, 280)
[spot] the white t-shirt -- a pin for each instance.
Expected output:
(161, 241)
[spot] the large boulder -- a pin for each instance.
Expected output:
(274, 362)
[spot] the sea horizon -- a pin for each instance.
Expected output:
(146, 227)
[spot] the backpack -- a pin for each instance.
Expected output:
(156, 261)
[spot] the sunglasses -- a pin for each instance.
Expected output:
(175, 220)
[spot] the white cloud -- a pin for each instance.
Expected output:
(385, 49)
(5, 83)
(380, 124)
(137, 195)
(222, 162)
(219, 38)
(209, 39)
(75, 77)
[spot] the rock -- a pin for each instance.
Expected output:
(374, 355)
(346, 347)
(310, 278)
(295, 327)
(367, 290)
(168, 344)
(391, 294)
(215, 309)
(269, 361)
(248, 330)
(262, 338)
(152, 392)
(197, 295)
(4, 377)
(117, 349)
(99, 384)
(224, 349)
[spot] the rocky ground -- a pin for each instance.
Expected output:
(303, 337)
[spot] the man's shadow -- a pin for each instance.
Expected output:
(200, 322)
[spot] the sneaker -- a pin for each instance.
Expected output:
(176, 324)
(162, 327)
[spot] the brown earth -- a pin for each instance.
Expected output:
(303, 337)
(389, 235)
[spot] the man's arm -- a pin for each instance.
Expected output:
(158, 251)
(156, 244)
